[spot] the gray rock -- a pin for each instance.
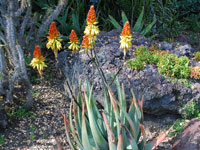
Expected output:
(160, 95)
(3, 120)
(189, 138)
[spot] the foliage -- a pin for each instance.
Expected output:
(119, 126)
(166, 14)
(191, 110)
(2, 140)
(178, 127)
(172, 66)
(197, 56)
(195, 73)
(138, 27)
(16, 113)
(168, 64)
(135, 64)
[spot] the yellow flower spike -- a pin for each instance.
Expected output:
(54, 39)
(91, 30)
(126, 38)
(38, 61)
(74, 42)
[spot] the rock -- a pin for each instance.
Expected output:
(166, 46)
(3, 120)
(183, 50)
(189, 138)
(160, 94)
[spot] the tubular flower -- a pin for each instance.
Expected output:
(126, 38)
(74, 42)
(85, 43)
(38, 61)
(91, 30)
(54, 40)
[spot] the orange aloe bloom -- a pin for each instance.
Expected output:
(91, 19)
(54, 40)
(73, 42)
(53, 32)
(85, 43)
(92, 30)
(126, 38)
(38, 61)
(37, 52)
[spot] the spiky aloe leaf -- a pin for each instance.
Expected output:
(58, 144)
(124, 17)
(120, 140)
(75, 136)
(98, 137)
(86, 143)
(115, 109)
(78, 115)
(133, 143)
(111, 136)
(148, 28)
(134, 124)
(67, 126)
(138, 25)
(115, 23)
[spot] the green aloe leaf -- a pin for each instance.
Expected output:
(138, 25)
(115, 23)
(68, 132)
(124, 17)
(148, 28)
(86, 143)
(98, 137)
(111, 136)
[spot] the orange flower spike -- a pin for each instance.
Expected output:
(37, 52)
(126, 37)
(53, 32)
(91, 19)
(126, 29)
(73, 37)
(85, 43)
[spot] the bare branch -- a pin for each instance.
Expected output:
(24, 24)
(53, 15)
(10, 31)
(3, 38)
(2, 22)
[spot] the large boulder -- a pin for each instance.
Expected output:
(189, 138)
(160, 94)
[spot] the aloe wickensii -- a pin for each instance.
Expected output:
(117, 126)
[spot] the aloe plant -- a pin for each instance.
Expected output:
(116, 127)
(138, 27)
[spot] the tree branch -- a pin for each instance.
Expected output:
(24, 24)
(46, 23)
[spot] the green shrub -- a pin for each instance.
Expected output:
(172, 66)
(191, 110)
(197, 56)
(135, 64)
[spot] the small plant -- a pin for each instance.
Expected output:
(195, 73)
(2, 140)
(135, 64)
(197, 56)
(173, 66)
(191, 110)
(14, 113)
(116, 126)
(138, 27)
(177, 128)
